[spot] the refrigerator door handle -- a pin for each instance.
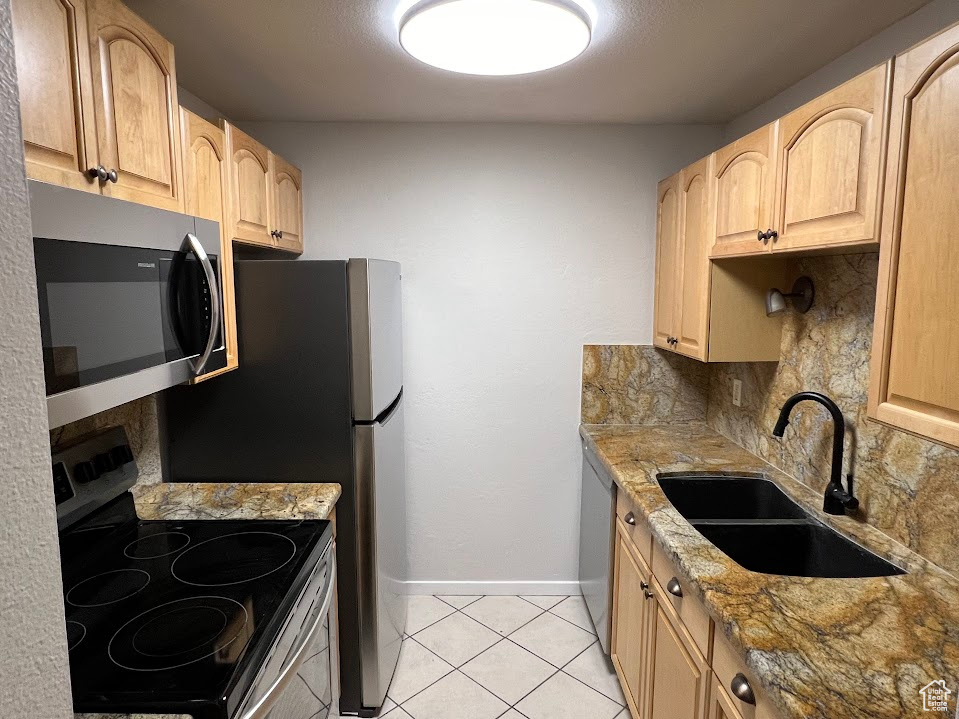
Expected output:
(387, 414)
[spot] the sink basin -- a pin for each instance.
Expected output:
(717, 497)
(762, 529)
(797, 549)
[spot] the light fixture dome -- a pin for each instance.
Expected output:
(495, 37)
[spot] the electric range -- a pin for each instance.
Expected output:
(206, 617)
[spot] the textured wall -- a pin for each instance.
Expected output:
(914, 28)
(519, 244)
(639, 384)
(33, 661)
(909, 487)
(139, 419)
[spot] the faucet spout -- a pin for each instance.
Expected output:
(836, 500)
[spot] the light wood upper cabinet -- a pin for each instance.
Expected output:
(135, 95)
(742, 192)
(287, 204)
(914, 384)
(206, 182)
(710, 311)
(692, 321)
(56, 97)
(668, 253)
(252, 188)
(831, 160)
(630, 620)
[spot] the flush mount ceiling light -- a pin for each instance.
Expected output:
(495, 37)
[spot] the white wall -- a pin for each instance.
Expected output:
(912, 29)
(519, 244)
(34, 678)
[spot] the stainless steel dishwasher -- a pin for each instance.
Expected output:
(598, 507)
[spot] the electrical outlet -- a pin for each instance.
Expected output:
(738, 392)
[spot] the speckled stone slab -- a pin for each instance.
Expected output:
(820, 648)
(235, 501)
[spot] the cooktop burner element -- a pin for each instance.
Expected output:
(75, 634)
(157, 545)
(108, 588)
(178, 633)
(254, 555)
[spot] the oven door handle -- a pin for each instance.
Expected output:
(299, 653)
(197, 249)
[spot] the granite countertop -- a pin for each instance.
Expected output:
(227, 501)
(820, 648)
(235, 501)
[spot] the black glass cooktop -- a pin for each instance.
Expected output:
(176, 616)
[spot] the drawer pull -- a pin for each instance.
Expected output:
(741, 689)
(673, 587)
(630, 518)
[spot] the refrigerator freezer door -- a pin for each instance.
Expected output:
(382, 564)
(376, 328)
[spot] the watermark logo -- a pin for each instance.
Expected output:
(935, 696)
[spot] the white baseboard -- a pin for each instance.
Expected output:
(495, 588)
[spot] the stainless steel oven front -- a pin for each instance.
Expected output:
(298, 678)
(129, 296)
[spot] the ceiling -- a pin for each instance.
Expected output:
(651, 61)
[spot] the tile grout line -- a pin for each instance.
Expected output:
(501, 638)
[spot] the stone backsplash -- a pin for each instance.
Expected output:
(908, 487)
(638, 384)
(139, 418)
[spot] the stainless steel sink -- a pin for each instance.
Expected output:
(759, 527)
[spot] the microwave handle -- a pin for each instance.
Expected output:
(299, 654)
(201, 255)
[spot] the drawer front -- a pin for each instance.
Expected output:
(636, 527)
(688, 607)
(727, 664)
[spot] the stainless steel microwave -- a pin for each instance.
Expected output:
(130, 299)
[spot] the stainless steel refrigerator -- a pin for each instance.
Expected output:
(318, 397)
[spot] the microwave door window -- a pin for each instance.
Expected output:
(101, 310)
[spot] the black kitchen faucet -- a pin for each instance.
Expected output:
(836, 500)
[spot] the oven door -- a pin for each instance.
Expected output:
(296, 679)
(118, 323)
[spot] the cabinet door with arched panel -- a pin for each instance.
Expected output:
(915, 350)
(742, 194)
(251, 196)
(52, 48)
(206, 183)
(831, 161)
(668, 266)
(692, 323)
(135, 95)
(287, 205)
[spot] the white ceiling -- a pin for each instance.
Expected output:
(651, 61)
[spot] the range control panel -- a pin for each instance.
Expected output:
(90, 472)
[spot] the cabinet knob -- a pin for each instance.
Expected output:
(630, 518)
(112, 176)
(761, 236)
(673, 587)
(99, 172)
(741, 689)
(772, 235)
(279, 234)
(648, 594)
(644, 585)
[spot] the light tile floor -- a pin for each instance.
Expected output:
(502, 658)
